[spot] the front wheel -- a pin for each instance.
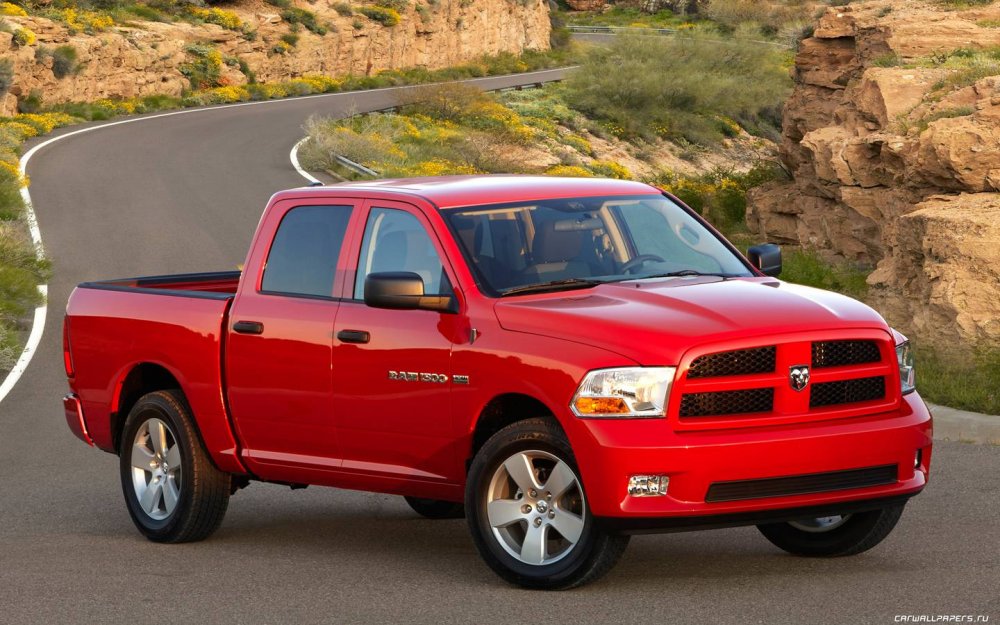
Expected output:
(832, 536)
(528, 513)
(173, 491)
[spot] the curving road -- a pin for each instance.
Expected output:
(183, 193)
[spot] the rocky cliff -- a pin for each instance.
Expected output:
(893, 138)
(145, 58)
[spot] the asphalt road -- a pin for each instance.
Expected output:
(184, 193)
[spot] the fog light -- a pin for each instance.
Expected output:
(648, 485)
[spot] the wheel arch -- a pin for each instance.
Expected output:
(503, 410)
(141, 379)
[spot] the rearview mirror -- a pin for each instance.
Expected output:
(403, 290)
(767, 258)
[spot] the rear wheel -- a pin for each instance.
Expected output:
(528, 512)
(831, 536)
(173, 492)
(435, 508)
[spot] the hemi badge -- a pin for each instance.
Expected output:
(460, 379)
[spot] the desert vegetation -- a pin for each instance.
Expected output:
(20, 269)
(686, 87)
(781, 21)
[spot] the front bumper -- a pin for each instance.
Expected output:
(609, 451)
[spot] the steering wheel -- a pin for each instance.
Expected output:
(639, 260)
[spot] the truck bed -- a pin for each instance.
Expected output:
(213, 285)
(174, 324)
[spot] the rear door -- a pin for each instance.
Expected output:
(393, 367)
(278, 354)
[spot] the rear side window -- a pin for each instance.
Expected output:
(303, 256)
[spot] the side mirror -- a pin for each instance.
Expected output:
(403, 290)
(767, 258)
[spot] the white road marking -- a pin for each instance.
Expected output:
(38, 324)
(294, 157)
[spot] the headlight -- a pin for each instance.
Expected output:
(907, 378)
(623, 393)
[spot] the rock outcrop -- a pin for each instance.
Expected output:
(145, 59)
(892, 135)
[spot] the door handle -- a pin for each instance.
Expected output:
(248, 327)
(353, 336)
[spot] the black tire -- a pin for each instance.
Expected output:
(859, 532)
(594, 553)
(435, 508)
(202, 491)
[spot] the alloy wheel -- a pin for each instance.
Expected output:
(535, 507)
(156, 469)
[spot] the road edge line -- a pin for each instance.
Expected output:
(294, 157)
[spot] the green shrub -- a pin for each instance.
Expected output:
(24, 37)
(6, 76)
(400, 6)
(281, 4)
(64, 61)
(806, 267)
(959, 380)
(205, 67)
(31, 103)
(290, 38)
(344, 9)
(308, 19)
(678, 87)
(382, 15)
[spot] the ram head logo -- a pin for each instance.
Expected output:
(798, 377)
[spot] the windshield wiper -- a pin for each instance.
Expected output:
(687, 272)
(553, 285)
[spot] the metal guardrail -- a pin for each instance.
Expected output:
(360, 169)
(357, 168)
(614, 30)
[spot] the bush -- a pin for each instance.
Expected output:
(569, 171)
(382, 15)
(12, 10)
(344, 9)
(31, 103)
(205, 68)
(6, 76)
(806, 267)
(306, 18)
(220, 17)
(678, 87)
(768, 18)
(24, 37)
(64, 61)
(290, 38)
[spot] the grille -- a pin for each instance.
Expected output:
(727, 402)
(842, 353)
(738, 362)
(802, 484)
(847, 391)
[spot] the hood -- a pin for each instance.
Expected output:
(655, 321)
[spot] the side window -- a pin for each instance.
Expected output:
(396, 241)
(303, 256)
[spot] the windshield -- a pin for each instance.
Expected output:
(579, 242)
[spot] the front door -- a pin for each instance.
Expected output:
(393, 366)
(279, 347)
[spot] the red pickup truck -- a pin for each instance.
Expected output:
(565, 362)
